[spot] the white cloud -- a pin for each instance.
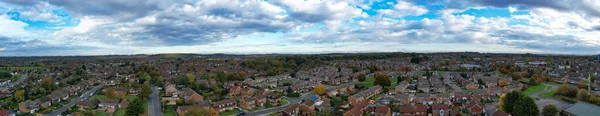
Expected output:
(403, 8)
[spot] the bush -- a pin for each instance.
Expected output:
(568, 100)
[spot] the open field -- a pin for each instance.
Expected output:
(534, 89)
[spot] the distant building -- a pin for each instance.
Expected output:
(582, 109)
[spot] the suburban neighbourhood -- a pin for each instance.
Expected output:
(378, 84)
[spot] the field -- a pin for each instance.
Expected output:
(120, 112)
(534, 89)
(369, 82)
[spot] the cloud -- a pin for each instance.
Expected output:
(403, 9)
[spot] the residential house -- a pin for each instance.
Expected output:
(401, 87)
(190, 96)
(401, 99)
(248, 103)
(44, 102)
(170, 89)
(382, 111)
(85, 104)
(108, 104)
(7, 113)
(363, 95)
(476, 109)
(440, 110)
(29, 106)
(357, 109)
(292, 110)
(224, 105)
(500, 113)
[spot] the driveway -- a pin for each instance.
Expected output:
(64, 108)
(154, 107)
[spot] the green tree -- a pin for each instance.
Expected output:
(361, 77)
(400, 79)
(146, 91)
(20, 95)
(526, 106)
(510, 100)
(190, 79)
(135, 107)
(550, 110)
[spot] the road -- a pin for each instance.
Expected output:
(154, 107)
(279, 108)
(8, 86)
(64, 108)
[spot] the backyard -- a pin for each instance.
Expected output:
(169, 111)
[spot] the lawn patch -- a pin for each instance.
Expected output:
(534, 89)
(169, 111)
(368, 82)
(120, 112)
(101, 113)
(228, 113)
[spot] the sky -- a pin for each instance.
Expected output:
(121, 27)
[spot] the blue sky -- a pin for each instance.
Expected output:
(73, 27)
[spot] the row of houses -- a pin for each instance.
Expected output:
(55, 97)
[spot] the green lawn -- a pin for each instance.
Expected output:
(101, 113)
(534, 89)
(169, 111)
(228, 113)
(548, 94)
(368, 82)
(284, 102)
(120, 112)
(130, 97)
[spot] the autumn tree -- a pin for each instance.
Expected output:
(362, 77)
(20, 95)
(110, 92)
(382, 79)
(582, 95)
(562, 90)
(550, 110)
(502, 83)
(501, 103)
(319, 89)
(190, 79)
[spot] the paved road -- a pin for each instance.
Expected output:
(64, 108)
(279, 108)
(154, 107)
(8, 86)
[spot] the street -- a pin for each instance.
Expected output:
(64, 108)
(23, 77)
(279, 108)
(154, 107)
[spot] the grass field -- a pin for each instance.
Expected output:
(369, 82)
(228, 113)
(120, 112)
(534, 89)
(548, 94)
(169, 111)
(284, 102)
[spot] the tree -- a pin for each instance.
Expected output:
(550, 110)
(502, 83)
(382, 79)
(501, 103)
(400, 79)
(510, 101)
(362, 77)
(582, 95)
(135, 107)
(146, 91)
(562, 90)
(526, 106)
(110, 92)
(319, 89)
(20, 95)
